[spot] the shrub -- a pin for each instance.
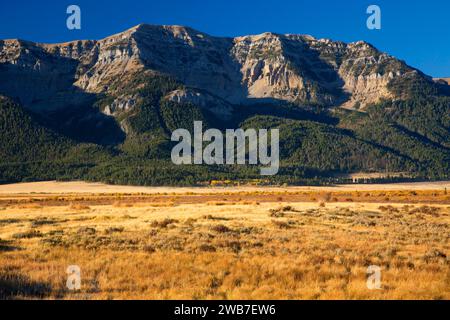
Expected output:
(164, 223)
(220, 228)
(28, 235)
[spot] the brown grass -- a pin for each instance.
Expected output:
(78, 206)
(242, 248)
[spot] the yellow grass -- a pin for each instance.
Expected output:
(223, 249)
(78, 206)
(79, 187)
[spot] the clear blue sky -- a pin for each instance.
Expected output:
(415, 31)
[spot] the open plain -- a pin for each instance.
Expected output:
(224, 243)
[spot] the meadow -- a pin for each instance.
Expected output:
(218, 243)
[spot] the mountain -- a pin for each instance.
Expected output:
(110, 105)
(442, 80)
(237, 70)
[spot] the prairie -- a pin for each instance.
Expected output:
(224, 243)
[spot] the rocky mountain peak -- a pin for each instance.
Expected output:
(241, 70)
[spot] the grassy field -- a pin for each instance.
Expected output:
(248, 243)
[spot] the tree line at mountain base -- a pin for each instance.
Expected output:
(317, 146)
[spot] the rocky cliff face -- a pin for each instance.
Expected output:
(445, 81)
(242, 70)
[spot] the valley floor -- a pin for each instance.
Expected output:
(224, 243)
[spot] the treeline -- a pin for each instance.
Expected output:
(316, 145)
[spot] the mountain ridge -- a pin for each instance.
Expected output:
(340, 107)
(264, 66)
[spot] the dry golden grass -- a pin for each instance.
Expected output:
(78, 206)
(238, 248)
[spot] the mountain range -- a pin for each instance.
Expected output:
(104, 110)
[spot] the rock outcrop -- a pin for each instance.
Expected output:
(217, 72)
